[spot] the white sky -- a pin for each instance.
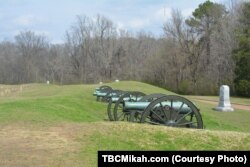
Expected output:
(53, 17)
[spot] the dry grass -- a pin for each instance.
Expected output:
(7, 90)
(76, 144)
(36, 146)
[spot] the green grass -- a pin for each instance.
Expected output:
(48, 104)
(144, 137)
(52, 104)
(237, 100)
(232, 121)
(121, 136)
(83, 121)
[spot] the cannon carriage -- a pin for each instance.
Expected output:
(101, 92)
(114, 106)
(117, 113)
(160, 109)
(104, 93)
(112, 94)
(170, 110)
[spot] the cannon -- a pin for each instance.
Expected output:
(103, 87)
(116, 102)
(119, 114)
(159, 109)
(101, 92)
(112, 94)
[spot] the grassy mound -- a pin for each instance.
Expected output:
(50, 125)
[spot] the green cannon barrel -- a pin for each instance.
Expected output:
(109, 95)
(115, 99)
(96, 92)
(140, 106)
(101, 94)
(112, 94)
(135, 105)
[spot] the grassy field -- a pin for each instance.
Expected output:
(237, 100)
(50, 125)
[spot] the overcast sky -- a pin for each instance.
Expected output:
(53, 17)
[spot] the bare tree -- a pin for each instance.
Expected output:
(187, 49)
(78, 46)
(32, 48)
(105, 36)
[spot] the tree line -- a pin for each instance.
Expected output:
(194, 56)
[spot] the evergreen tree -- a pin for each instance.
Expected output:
(242, 54)
(203, 21)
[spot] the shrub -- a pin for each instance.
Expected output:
(243, 88)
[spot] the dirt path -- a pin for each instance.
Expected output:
(234, 105)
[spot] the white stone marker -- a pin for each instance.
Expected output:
(224, 103)
(47, 82)
(117, 80)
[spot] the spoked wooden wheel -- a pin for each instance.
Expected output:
(172, 111)
(135, 116)
(118, 112)
(111, 106)
(110, 109)
(103, 89)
